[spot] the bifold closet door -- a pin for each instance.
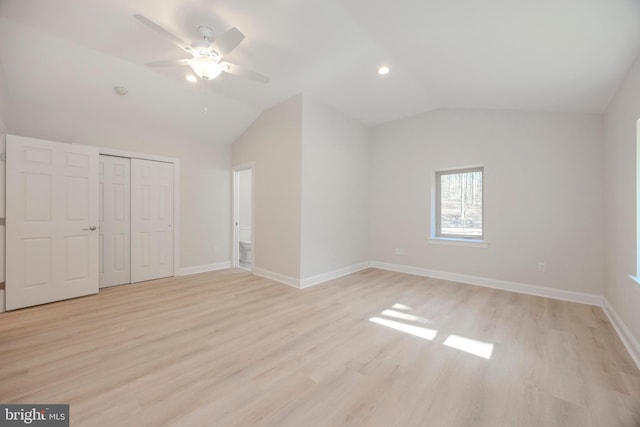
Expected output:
(52, 221)
(151, 220)
(115, 221)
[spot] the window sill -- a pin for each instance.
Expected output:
(634, 278)
(450, 241)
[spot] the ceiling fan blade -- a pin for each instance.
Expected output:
(164, 33)
(227, 41)
(239, 71)
(167, 63)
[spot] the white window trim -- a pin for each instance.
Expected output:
(634, 278)
(455, 241)
(466, 241)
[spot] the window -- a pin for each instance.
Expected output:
(459, 203)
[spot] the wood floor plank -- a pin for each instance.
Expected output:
(375, 348)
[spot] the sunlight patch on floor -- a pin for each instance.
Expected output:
(404, 316)
(477, 348)
(418, 331)
(406, 323)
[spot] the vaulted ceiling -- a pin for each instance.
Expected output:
(64, 57)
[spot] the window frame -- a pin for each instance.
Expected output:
(438, 218)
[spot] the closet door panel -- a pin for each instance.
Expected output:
(115, 221)
(151, 220)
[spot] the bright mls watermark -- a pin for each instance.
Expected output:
(34, 415)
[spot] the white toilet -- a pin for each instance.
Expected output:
(245, 245)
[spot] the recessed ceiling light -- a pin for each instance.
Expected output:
(383, 71)
(120, 90)
(191, 78)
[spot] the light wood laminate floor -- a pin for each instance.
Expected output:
(375, 348)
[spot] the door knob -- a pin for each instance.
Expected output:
(92, 228)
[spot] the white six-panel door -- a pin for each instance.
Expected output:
(115, 220)
(151, 220)
(51, 219)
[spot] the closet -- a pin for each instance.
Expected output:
(136, 220)
(78, 220)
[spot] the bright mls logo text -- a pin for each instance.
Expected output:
(46, 415)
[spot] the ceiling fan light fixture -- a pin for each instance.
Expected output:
(205, 68)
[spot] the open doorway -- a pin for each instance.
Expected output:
(243, 245)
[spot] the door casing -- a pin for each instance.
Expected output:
(236, 213)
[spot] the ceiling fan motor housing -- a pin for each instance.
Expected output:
(205, 32)
(201, 48)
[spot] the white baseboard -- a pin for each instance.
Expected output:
(324, 277)
(629, 341)
(504, 285)
(186, 271)
(310, 281)
(287, 280)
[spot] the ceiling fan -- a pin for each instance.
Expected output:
(206, 53)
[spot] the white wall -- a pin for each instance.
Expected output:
(273, 143)
(620, 201)
(205, 183)
(335, 190)
(543, 194)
